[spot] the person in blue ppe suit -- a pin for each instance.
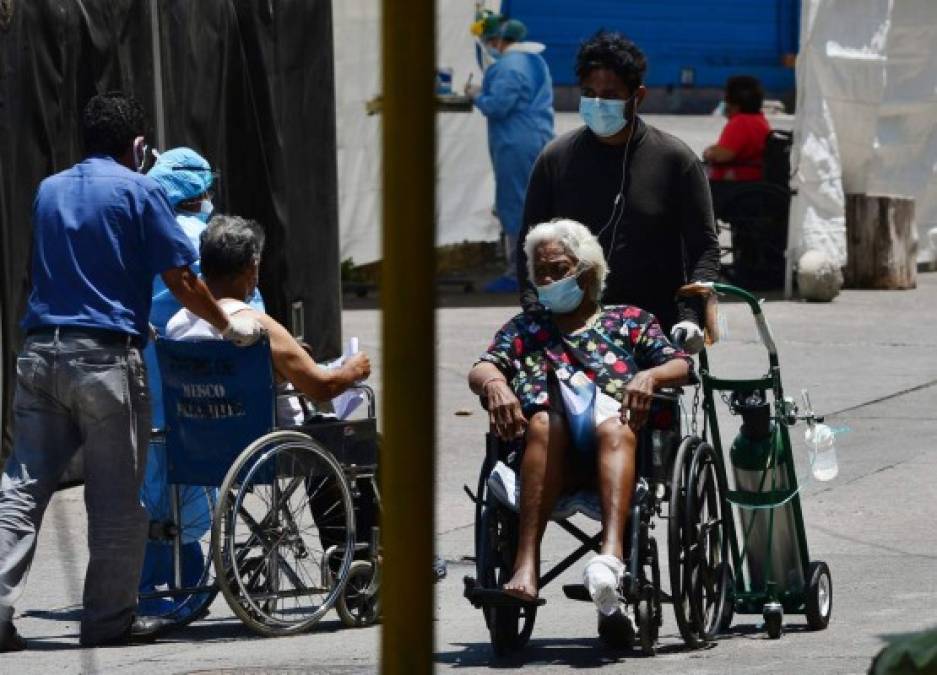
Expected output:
(516, 96)
(188, 181)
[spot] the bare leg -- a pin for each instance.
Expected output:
(616, 454)
(542, 479)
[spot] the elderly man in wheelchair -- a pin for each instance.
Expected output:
(295, 484)
(574, 385)
(230, 254)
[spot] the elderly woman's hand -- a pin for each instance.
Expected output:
(504, 410)
(637, 401)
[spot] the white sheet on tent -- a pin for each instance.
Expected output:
(464, 184)
(866, 116)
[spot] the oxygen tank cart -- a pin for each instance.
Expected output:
(773, 572)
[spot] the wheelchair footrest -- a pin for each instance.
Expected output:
(577, 592)
(494, 597)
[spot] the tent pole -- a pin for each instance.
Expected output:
(407, 294)
(157, 76)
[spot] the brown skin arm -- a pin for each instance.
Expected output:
(504, 409)
(717, 154)
(195, 296)
(294, 364)
(637, 401)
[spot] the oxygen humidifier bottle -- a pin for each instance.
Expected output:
(822, 450)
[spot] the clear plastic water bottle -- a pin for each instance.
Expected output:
(821, 448)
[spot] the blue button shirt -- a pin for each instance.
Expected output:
(101, 232)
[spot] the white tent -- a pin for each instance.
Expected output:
(465, 182)
(866, 116)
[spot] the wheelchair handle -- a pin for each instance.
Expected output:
(679, 338)
(761, 324)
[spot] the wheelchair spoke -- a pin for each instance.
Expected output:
(289, 535)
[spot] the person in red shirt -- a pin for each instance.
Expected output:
(739, 152)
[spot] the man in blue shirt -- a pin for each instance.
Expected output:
(101, 232)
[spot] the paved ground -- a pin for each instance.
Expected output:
(869, 359)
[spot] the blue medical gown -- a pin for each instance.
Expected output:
(195, 501)
(517, 99)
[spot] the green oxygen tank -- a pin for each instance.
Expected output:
(768, 534)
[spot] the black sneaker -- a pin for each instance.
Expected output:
(617, 629)
(10, 640)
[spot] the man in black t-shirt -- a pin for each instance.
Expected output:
(643, 192)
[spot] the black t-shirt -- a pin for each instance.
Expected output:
(665, 236)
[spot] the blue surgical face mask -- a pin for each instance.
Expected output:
(561, 297)
(605, 116)
(205, 209)
(493, 52)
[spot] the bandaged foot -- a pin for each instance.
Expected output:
(601, 578)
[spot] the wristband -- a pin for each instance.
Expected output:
(491, 379)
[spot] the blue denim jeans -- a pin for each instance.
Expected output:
(74, 392)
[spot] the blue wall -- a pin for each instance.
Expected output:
(714, 38)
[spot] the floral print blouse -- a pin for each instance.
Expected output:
(617, 344)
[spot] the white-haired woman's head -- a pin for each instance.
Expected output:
(578, 243)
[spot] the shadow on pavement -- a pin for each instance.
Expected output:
(230, 628)
(72, 613)
(572, 653)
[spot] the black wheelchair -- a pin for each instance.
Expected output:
(755, 213)
(283, 521)
(680, 479)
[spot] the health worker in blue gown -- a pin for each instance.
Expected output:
(188, 181)
(516, 96)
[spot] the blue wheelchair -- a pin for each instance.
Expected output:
(283, 521)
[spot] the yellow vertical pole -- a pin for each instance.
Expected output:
(408, 292)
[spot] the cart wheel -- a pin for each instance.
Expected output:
(819, 596)
(773, 614)
(697, 543)
(283, 536)
(359, 604)
(647, 626)
(509, 627)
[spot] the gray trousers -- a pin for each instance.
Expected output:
(75, 392)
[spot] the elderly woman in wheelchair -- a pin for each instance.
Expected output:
(574, 384)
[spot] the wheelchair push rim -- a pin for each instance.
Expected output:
(509, 627)
(276, 547)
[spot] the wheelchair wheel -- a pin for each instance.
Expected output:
(157, 583)
(283, 537)
(697, 543)
(509, 627)
(359, 605)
